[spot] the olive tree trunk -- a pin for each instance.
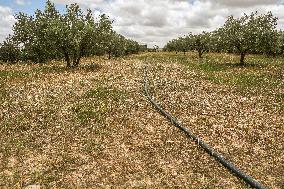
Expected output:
(242, 60)
(200, 54)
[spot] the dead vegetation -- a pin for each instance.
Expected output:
(93, 128)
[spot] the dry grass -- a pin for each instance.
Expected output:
(93, 128)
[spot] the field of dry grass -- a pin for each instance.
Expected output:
(92, 127)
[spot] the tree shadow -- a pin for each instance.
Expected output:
(245, 65)
(56, 69)
(89, 67)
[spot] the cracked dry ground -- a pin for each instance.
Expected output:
(94, 128)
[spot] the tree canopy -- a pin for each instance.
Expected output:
(254, 33)
(250, 33)
(49, 34)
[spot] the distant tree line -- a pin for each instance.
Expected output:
(48, 35)
(252, 33)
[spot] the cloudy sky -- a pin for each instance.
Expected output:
(152, 21)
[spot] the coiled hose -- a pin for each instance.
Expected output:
(249, 180)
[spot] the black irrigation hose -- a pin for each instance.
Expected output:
(253, 183)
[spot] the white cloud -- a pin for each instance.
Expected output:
(23, 2)
(246, 3)
(20, 2)
(6, 22)
(157, 21)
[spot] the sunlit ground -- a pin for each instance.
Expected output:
(92, 127)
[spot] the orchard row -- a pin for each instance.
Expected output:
(48, 35)
(252, 33)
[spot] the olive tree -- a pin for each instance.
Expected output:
(216, 42)
(280, 42)
(116, 45)
(171, 45)
(30, 37)
(200, 42)
(180, 44)
(132, 47)
(249, 33)
(103, 36)
(9, 50)
(72, 35)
